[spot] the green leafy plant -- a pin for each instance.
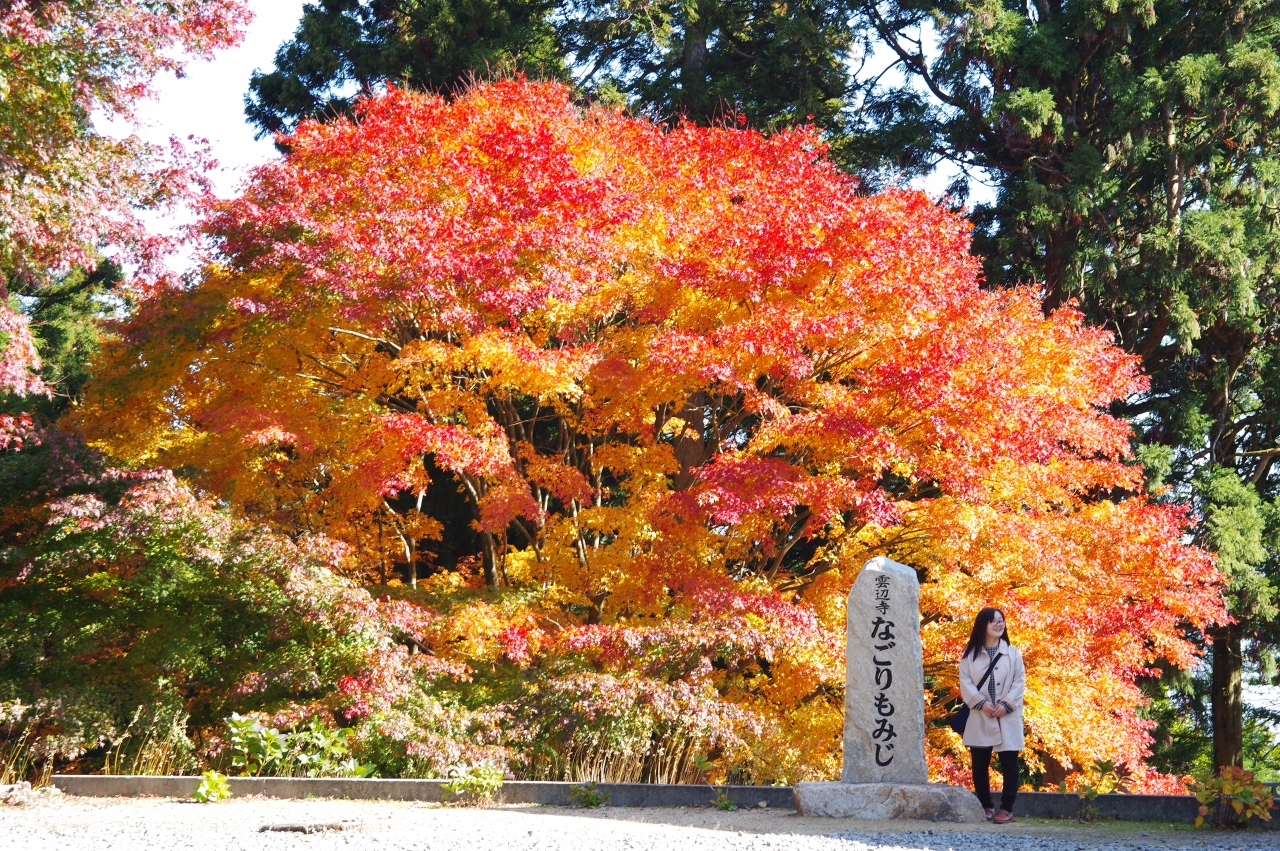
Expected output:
(310, 750)
(722, 800)
(359, 769)
(1100, 778)
(587, 796)
(320, 751)
(213, 788)
(255, 749)
(480, 781)
(1232, 798)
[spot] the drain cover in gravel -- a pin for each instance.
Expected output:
(298, 828)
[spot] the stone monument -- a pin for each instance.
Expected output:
(884, 774)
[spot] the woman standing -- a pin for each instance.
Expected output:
(995, 708)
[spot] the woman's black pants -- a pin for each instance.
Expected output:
(982, 777)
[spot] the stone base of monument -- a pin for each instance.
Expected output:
(886, 801)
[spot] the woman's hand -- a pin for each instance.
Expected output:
(995, 710)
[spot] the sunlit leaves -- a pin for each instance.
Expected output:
(685, 380)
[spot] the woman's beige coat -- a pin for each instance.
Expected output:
(983, 731)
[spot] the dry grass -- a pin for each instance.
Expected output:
(156, 747)
(672, 759)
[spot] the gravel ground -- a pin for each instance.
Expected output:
(117, 824)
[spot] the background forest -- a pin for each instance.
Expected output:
(534, 411)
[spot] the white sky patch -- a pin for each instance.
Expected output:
(1263, 697)
(208, 103)
(882, 63)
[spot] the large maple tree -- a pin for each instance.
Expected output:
(674, 385)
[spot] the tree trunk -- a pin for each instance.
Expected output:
(690, 446)
(1228, 707)
(413, 562)
(693, 67)
(1172, 173)
(1055, 271)
(490, 560)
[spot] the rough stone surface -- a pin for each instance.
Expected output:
(16, 794)
(926, 801)
(301, 828)
(884, 679)
(19, 794)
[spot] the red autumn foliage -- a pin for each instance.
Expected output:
(682, 382)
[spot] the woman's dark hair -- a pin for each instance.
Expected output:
(978, 638)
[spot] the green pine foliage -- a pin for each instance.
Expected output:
(1182, 736)
(768, 64)
(66, 317)
(345, 48)
(772, 64)
(1243, 529)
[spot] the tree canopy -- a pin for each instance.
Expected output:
(69, 188)
(68, 192)
(668, 375)
(626, 391)
(771, 64)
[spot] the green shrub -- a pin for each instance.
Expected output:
(255, 749)
(321, 751)
(474, 782)
(587, 796)
(169, 602)
(310, 750)
(213, 788)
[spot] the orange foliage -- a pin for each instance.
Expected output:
(676, 378)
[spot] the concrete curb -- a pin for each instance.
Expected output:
(513, 791)
(1173, 809)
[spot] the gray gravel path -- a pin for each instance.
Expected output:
(119, 824)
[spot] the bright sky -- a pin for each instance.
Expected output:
(209, 101)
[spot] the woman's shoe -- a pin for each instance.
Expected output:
(990, 811)
(1002, 817)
